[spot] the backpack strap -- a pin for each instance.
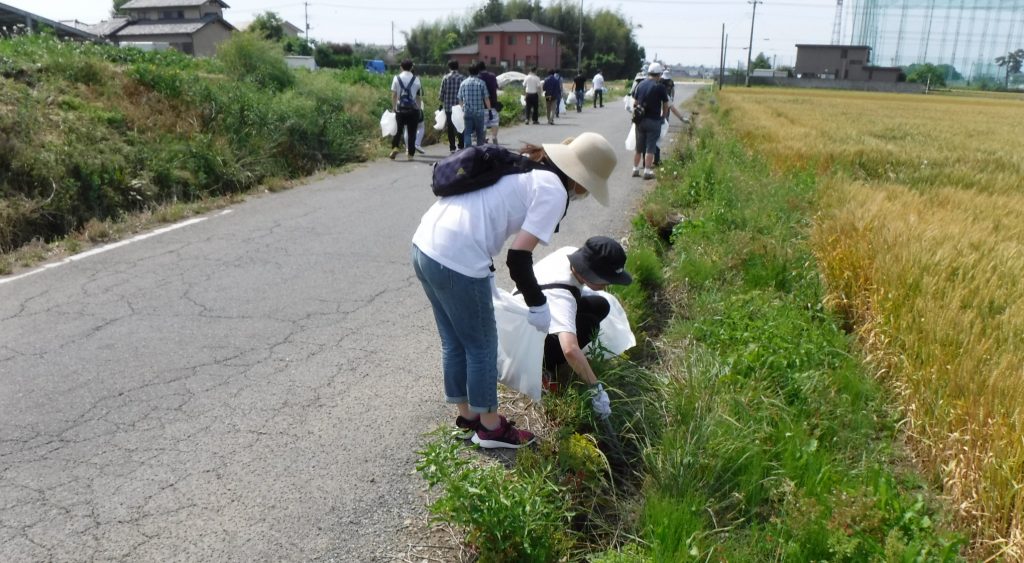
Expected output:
(575, 291)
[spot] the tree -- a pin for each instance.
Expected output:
(926, 73)
(761, 61)
(268, 25)
(117, 7)
(1013, 62)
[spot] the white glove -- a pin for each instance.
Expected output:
(602, 405)
(540, 317)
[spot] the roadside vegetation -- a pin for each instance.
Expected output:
(749, 425)
(96, 140)
(919, 241)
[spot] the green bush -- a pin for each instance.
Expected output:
(508, 515)
(246, 57)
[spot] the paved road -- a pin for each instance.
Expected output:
(252, 386)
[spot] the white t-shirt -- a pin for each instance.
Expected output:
(463, 232)
(406, 76)
(555, 268)
(598, 81)
(531, 84)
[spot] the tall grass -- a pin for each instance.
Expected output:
(920, 245)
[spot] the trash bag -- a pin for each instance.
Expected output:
(439, 119)
(522, 101)
(520, 346)
(589, 94)
(631, 138)
(388, 124)
(664, 133)
(561, 107)
(614, 335)
(420, 130)
(628, 102)
(571, 100)
(458, 118)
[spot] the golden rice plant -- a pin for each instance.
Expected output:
(922, 247)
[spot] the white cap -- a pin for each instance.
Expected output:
(655, 68)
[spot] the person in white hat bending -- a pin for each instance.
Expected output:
(452, 254)
(575, 317)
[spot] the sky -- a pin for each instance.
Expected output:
(686, 32)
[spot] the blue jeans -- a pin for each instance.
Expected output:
(579, 100)
(474, 125)
(464, 314)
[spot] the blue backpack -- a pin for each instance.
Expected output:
(406, 101)
(477, 167)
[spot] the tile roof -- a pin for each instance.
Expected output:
(164, 27)
(520, 26)
(142, 4)
(473, 49)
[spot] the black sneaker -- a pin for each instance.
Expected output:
(506, 435)
(465, 428)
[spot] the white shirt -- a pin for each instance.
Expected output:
(531, 85)
(463, 232)
(406, 76)
(555, 268)
(598, 81)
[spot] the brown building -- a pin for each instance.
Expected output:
(841, 62)
(515, 44)
(195, 27)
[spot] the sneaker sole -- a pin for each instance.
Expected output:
(463, 434)
(494, 444)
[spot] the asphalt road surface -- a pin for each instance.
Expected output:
(249, 386)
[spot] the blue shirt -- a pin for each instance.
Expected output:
(553, 86)
(473, 94)
(651, 95)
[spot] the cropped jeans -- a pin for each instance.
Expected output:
(464, 314)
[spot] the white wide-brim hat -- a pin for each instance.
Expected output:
(589, 160)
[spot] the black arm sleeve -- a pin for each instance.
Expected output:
(520, 269)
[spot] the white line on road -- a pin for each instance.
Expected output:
(111, 246)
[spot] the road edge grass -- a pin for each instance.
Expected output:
(749, 428)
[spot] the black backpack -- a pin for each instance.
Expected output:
(406, 101)
(477, 167)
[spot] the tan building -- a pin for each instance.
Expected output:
(841, 62)
(194, 27)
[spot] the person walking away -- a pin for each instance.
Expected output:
(452, 254)
(406, 97)
(474, 101)
(552, 95)
(598, 83)
(449, 97)
(580, 86)
(649, 94)
(576, 318)
(531, 86)
(494, 114)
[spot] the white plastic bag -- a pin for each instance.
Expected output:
(615, 336)
(520, 346)
(589, 94)
(439, 120)
(561, 107)
(628, 102)
(420, 130)
(631, 138)
(664, 133)
(571, 100)
(458, 118)
(492, 119)
(388, 124)
(522, 101)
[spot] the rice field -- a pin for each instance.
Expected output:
(920, 239)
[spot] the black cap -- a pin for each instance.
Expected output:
(601, 260)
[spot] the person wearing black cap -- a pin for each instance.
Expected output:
(575, 317)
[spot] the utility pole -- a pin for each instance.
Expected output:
(305, 5)
(579, 51)
(750, 47)
(721, 60)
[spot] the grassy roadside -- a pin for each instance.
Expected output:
(750, 432)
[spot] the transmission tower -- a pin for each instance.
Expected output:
(837, 27)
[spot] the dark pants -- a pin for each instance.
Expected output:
(591, 310)
(532, 107)
(453, 134)
(598, 95)
(408, 120)
(579, 100)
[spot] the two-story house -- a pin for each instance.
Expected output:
(195, 27)
(518, 44)
(841, 62)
